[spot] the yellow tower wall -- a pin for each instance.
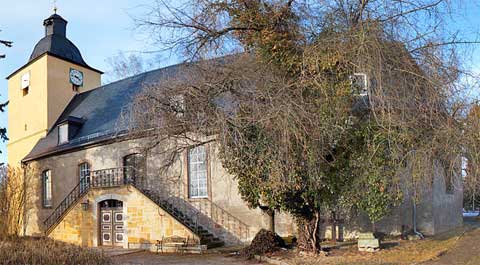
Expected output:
(60, 90)
(31, 116)
(27, 119)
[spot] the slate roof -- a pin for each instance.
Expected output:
(60, 46)
(100, 110)
(56, 43)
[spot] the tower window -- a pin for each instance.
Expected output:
(25, 83)
(75, 88)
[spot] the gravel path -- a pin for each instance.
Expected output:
(147, 258)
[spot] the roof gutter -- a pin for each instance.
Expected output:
(56, 56)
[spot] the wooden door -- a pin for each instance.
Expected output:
(118, 227)
(106, 227)
(112, 224)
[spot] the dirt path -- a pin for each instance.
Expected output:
(458, 247)
(466, 251)
(146, 258)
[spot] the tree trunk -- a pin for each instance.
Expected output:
(271, 220)
(309, 233)
(334, 227)
(271, 217)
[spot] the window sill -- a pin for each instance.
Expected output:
(198, 198)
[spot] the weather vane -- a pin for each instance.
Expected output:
(55, 6)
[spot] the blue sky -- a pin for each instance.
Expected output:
(101, 29)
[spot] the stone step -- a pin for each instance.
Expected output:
(215, 244)
(207, 238)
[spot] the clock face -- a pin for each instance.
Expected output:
(26, 80)
(76, 77)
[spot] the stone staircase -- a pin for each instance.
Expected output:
(107, 178)
(189, 220)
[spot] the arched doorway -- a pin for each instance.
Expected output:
(111, 223)
(135, 169)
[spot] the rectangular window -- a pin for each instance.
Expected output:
(177, 105)
(25, 83)
(47, 188)
(84, 174)
(62, 133)
(359, 84)
(450, 172)
(197, 172)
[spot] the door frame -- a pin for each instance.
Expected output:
(97, 219)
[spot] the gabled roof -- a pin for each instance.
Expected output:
(100, 110)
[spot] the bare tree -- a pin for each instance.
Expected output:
(123, 66)
(13, 201)
(3, 131)
(7, 44)
(290, 119)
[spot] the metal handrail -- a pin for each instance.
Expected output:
(112, 177)
(209, 207)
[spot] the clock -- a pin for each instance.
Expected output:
(26, 80)
(76, 77)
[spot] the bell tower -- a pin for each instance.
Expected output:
(39, 91)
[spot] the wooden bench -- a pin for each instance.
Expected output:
(177, 242)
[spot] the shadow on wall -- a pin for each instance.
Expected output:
(214, 219)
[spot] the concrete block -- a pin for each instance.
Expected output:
(368, 242)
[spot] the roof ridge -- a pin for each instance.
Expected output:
(135, 76)
(185, 62)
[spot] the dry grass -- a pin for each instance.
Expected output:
(30, 251)
(400, 252)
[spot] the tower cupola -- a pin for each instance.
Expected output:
(56, 43)
(55, 24)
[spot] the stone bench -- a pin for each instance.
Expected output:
(368, 242)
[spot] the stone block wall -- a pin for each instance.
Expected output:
(145, 222)
(434, 211)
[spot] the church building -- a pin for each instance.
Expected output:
(90, 185)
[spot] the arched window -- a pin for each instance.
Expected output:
(47, 188)
(135, 168)
(197, 172)
(84, 175)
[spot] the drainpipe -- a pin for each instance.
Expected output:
(24, 214)
(414, 212)
(415, 221)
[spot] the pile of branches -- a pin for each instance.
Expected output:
(264, 242)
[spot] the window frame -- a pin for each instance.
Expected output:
(137, 172)
(449, 177)
(205, 192)
(64, 125)
(363, 90)
(80, 171)
(47, 193)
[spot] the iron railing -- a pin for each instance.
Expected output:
(207, 214)
(112, 177)
(193, 213)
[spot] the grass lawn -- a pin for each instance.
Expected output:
(456, 246)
